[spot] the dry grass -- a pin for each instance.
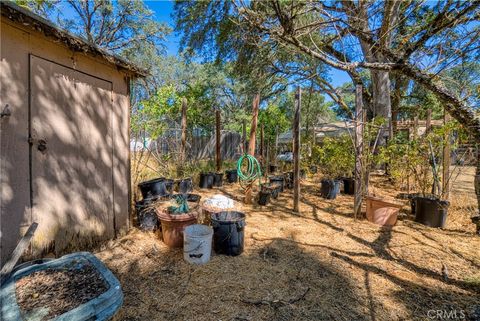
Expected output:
(319, 265)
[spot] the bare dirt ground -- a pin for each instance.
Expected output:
(319, 265)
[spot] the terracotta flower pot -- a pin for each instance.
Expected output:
(174, 224)
(382, 212)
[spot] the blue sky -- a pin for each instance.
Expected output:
(163, 10)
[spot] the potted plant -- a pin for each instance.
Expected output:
(184, 180)
(419, 160)
(154, 188)
(337, 160)
(174, 217)
(207, 176)
(217, 179)
(231, 175)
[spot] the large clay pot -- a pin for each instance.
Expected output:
(382, 212)
(174, 224)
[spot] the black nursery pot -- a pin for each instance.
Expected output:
(169, 185)
(206, 180)
(430, 211)
(273, 189)
(277, 180)
(264, 197)
(348, 185)
(228, 232)
(153, 188)
(218, 179)
(147, 219)
(231, 175)
(185, 185)
(330, 188)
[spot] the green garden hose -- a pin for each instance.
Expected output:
(254, 170)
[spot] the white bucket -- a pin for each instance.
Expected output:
(197, 243)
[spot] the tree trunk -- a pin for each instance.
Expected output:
(477, 179)
(400, 86)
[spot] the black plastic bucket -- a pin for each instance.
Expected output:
(413, 196)
(228, 232)
(231, 175)
(273, 189)
(430, 211)
(169, 185)
(218, 179)
(264, 197)
(348, 185)
(185, 185)
(147, 219)
(330, 188)
(277, 180)
(154, 187)
(206, 180)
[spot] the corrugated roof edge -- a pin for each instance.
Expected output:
(27, 18)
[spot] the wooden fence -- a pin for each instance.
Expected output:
(199, 146)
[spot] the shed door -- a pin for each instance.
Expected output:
(71, 142)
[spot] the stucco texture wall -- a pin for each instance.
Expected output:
(77, 106)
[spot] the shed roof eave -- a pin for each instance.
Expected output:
(25, 17)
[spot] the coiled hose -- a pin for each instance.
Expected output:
(254, 170)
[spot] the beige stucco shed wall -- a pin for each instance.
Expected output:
(78, 190)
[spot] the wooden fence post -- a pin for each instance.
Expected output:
(261, 145)
(357, 205)
(296, 151)
(275, 152)
(428, 122)
(446, 160)
(217, 140)
(415, 127)
(184, 130)
(267, 159)
(251, 143)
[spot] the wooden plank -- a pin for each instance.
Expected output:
(251, 143)
(357, 205)
(446, 161)
(18, 252)
(184, 129)
(296, 151)
(218, 156)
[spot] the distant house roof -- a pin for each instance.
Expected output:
(332, 129)
(33, 21)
